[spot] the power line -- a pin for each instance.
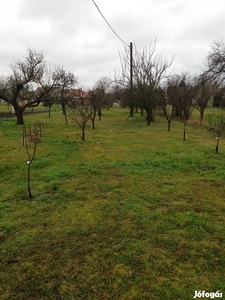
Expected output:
(109, 24)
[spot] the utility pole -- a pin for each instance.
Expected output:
(131, 81)
(131, 65)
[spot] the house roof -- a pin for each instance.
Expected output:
(77, 93)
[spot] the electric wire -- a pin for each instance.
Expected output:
(109, 24)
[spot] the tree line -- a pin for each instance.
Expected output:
(32, 81)
(153, 90)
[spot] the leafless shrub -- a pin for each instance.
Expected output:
(31, 136)
(217, 126)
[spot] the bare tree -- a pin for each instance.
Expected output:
(216, 63)
(31, 137)
(80, 113)
(204, 90)
(149, 70)
(180, 93)
(98, 96)
(217, 125)
(66, 81)
(49, 99)
(26, 86)
(168, 108)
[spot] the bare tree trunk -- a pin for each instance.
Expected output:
(31, 136)
(99, 114)
(201, 116)
(65, 115)
(149, 116)
(217, 144)
(28, 181)
(184, 132)
(169, 123)
(83, 134)
(19, 116)
(148, 119)
(93, 123)
(131, 112)
(64, 112)
(93, 118)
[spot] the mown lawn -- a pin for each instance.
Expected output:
(132, 213)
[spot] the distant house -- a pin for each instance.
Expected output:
(116, 103)
(76, 93)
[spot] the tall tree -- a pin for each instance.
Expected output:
(98, 96)
(49, 99)
(204, 90)
(216, 63)
(215, 73)
(149, 70)
(167, 108)
(29, 81)
(217, 125)
(180, 93)
(80, 112)
(66, 81)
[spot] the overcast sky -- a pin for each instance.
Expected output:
(73, 34)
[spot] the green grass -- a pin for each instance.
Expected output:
(132, 213)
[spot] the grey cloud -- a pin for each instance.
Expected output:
(72, 33)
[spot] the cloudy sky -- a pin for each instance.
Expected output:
(73, 34)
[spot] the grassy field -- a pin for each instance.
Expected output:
(132, 213)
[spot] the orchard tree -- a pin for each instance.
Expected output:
(213, 78)
(80, 112)
(49, 99)
(180, 94)
(216, 63)
(66, 83)
(167, 108)
(204, 90)
(29, 82)
(149, 69)
(217, 125)
(98, 96)
(116, 92)
(31, 137)
(215, 73)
